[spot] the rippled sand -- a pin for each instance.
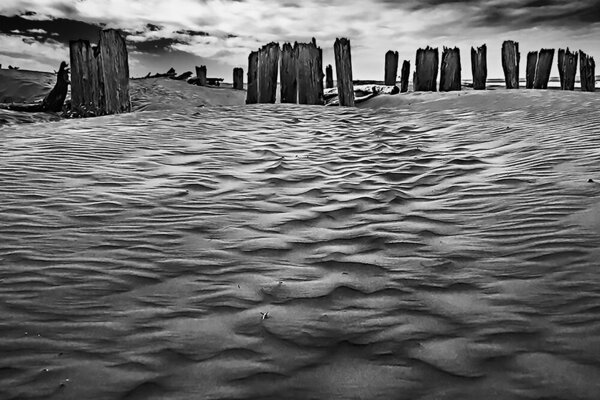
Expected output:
(425, 247)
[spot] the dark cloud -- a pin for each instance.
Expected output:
(62, 30)
(524, 14)
(192, 33)
(156, 46)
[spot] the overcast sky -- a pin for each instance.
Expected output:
(34, 34)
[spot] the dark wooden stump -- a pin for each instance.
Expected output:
(101, 75)
(114, 72)
(86, 93)
(543, 68)
(426, 70)
(532, 59)
(391, 68)
(329, 77)
(510, 63)
(309, 67)
(238, 78)
(587, 71)
(268, 63)
(567, 68)
(201, 75)
(343, 69)
(404, 75)
(479, 67)
(287, 75)
(252, 93)
(450, 71)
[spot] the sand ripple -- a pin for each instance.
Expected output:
(398, 253)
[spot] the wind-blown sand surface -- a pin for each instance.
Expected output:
(444, 249)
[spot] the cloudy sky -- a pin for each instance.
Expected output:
(34, 34)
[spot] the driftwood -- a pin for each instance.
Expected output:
(361, 93)
(404, 75)
(391, 68)
(532, 59)
(479, 67)
(587, 71)
(450, 71)
(252, 90)
(510, 63)
(288, 78)
(309, 69)
(567, 68)
(329, 77)
(343, 69)
(53, 102)
(268, 60)
(238, 78)
(183, 77)
(426, 70)
(542, 69)
(201, 75)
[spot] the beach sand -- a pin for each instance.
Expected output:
(422, 246)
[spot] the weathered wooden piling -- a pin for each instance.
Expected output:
(309, 68)
(86, 93)
(479, 67)
(510, 63)
(252, 90)
(238, 78)
(532, 59)
(268, 63)
(543, 68)
(343, 69)
(426, 70)
(450, 71)
(567, 68)
(329, 77)
(100, 75)
(587, 71)
(288, 74)
(404, 75)
(391, 68)
(114, 69)
(201, 74)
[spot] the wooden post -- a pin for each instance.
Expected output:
(238, 78)
(287, 78)
(343, 69)
(252, 93)
(201, 74)
(329, 77)
(404, 76)
(567, 68)
(391, 68)
(309, 68)
(510, 63)
(86, 93)
(543, 67)
(479, 67)
(268, 62)
(450, 70)
(426, 70)
(532, 59)
(114, 72)
(587, 70)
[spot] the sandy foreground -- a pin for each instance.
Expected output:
(423, 246)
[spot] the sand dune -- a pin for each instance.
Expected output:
(425, 246)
